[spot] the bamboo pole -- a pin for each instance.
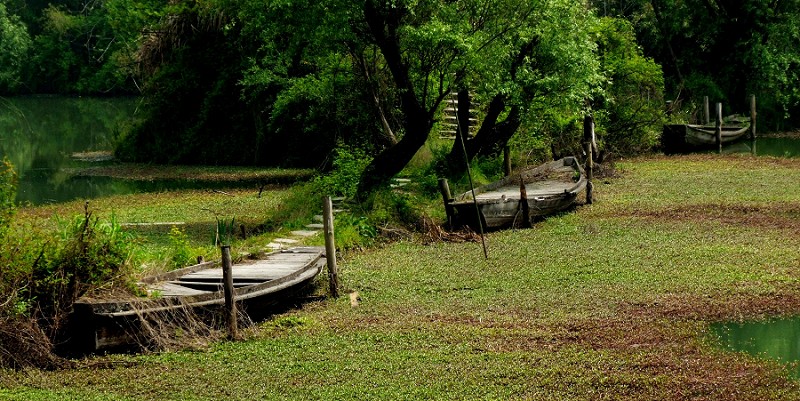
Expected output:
(330, 247)
(230, 301)
(472, 189)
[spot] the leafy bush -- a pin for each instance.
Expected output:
(342, 180)
(630, 112)
(43, 276)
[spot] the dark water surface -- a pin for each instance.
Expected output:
(777, 339)
(40, 135)
(767, 146)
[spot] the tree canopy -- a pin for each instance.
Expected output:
(284, 82)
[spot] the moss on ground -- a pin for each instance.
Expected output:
(610, 301)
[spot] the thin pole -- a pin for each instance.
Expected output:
(471, 185)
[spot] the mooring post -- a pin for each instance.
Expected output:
(718, 129)
(706, 111)
(444, 189)
(330, 247)
(230, 302)
(507, 160)
(588, 140)
(753, 115)
(523, 203)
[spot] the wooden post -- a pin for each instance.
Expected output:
(718, 129)
(330, 247)
(523, 203)
(230, 302)
(706, 111)
(444, 189)
(753, 115)
(588, 138)
(507, 160)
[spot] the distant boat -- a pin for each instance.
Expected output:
(549, 188)
(678, 138)
(105, 323)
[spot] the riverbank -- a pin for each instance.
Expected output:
(611, 301)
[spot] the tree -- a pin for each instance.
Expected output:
(724, 50)
(15, 44)
(521, 56)
(629, 112)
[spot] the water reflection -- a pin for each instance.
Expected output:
(774, 339)
(38, 134)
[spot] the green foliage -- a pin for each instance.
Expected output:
(354, 232)
(182, 252)
(225, 231)
(15, 43)
(342, 180)
(724, 50)
(629, 114)
(8, 194)
(44, 275)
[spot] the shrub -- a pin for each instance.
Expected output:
(342, 180)
(43, 276)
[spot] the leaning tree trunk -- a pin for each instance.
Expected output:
(492, 136)
(417, 120)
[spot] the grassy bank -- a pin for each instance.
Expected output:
(610, 301)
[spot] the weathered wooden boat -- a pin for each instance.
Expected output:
(678, 138)
(521, 198)
(107, 323)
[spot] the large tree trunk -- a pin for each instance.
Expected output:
(417, 120)
(492, 136)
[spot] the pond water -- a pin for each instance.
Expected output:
(777, 339)
(40, 135)
(767, 146)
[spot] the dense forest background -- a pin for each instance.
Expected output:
(288, 82)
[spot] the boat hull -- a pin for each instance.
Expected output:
(682, 138)
(499, 204)
(102, 324)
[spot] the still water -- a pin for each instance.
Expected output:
(777, 339)
(40, 135)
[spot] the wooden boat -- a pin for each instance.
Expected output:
(677, 138)
(549, 188)
(106, 323)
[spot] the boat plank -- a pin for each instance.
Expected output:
(539, 188)
(170, 289)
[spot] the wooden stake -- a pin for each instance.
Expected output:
(753, 115)
(230, 302)
(444, 189)
(706, 111)
(719, 126)
(507, 160)
(588, 137)
(330, 247)
(523, 203)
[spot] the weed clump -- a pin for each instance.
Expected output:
(43, 276)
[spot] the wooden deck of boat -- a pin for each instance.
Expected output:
(276, 266)
(532, 190)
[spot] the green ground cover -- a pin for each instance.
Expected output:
(611, 301)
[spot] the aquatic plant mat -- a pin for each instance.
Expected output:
(611, 301)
